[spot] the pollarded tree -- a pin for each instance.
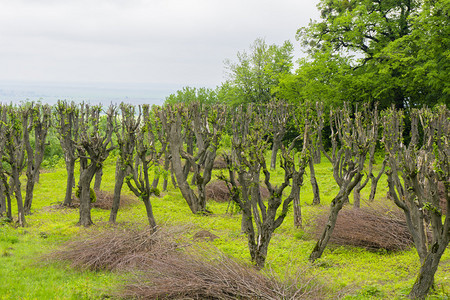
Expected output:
(279, 120)
(245, 162)
(304, 123)
(350, 139)
(94, 146)
(14, 156)
(199, 128)
(415, 171)
(314, 148)
(375, 119)
(151, 143)
(67, 123)
(6, 190)
(37, 118)
(126, 140)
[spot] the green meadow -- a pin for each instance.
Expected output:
(28, 272)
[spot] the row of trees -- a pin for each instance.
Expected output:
(182, 141)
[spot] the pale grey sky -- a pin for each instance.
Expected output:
(139, 41)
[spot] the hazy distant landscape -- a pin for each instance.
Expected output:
(95, 93)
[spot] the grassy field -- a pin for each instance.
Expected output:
(352, 273)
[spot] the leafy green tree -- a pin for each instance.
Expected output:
(192, 94)
(323, 78)
(372, 36)
(423, 55)
(256, 73)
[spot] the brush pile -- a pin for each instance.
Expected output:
(372, 228)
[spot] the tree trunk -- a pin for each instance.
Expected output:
(149, 210)
(120, 176)
(275, 147)
(317, 157)
(172, 176)
(261, 251)
(29, 195)
(297, 181)
(425, 279)
(357, 196)
(70, 167)
(297, 212)
(314, 184)
(373, 190)
(2, 199)
(167, 170)
(98, 179)
(192, 200)
(336, 206)
(9, 210)
(18, 195)
(374, 182)
(85, 208)
(85, 196)
(7, 194)
(155, 181)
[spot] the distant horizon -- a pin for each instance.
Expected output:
(104, 93)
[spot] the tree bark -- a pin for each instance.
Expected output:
(149, 210)
(263, 242)
(296, 198)
(120, 176)
(167, 170)
(29, 195)
(374, 182)
(314, 184)
(85, 195)
(357, 196)
(98, 179)
(9, 202)
(336, 206)
(70, 167)
(7, 194)
(18, 195)
(275, 147)
(425, 279)
(2, 199)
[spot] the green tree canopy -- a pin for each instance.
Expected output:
(192, 94)
(257, 72)
(395, 51)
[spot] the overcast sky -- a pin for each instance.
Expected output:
(139, 41)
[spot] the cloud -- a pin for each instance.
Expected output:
(179, 41)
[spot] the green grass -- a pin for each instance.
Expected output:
(354, 272)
